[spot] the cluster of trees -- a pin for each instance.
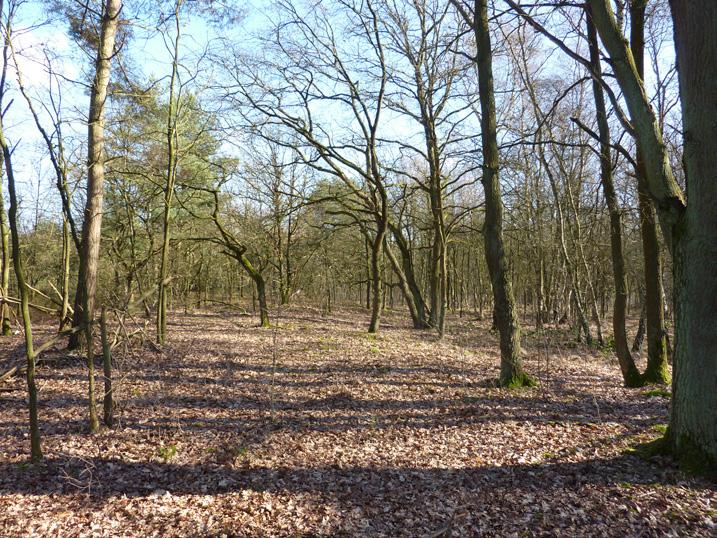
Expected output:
(485, 158)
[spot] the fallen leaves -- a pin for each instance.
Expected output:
(399, 435)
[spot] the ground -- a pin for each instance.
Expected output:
(320, 429)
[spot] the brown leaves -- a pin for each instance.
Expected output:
(394, 435)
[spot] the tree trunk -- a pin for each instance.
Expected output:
(410, 275)
(260, 289)
(35, 448)
(511, 368)
(376, 249)
(690, 230)
(107, 404)
(5, 323)
(693, 422)
(65, 318)
(92, 224)
(657, 370)
(171, 134)
(630, 373)
(418, 322)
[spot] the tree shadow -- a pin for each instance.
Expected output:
(513, 497)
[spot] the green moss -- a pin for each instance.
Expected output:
(518, 381)
(693, 459)
(660, 428)
(657, 375)
(689, 456)
(658, 393)
(650, 449)
(167, 453)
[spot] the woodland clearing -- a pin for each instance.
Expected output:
(317, 428)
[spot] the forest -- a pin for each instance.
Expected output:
(420, 268)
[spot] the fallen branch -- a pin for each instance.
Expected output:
(20, 366)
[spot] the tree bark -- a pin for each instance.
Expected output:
(107, 404)
(630, 373)
(92, 222)
(410, 275)
(690, 230)
(657, 370)
(511, 368)
(171, 135)
(693, 422)
(5, 324)
(35, 448)
(258, 279)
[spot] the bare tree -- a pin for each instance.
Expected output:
(92, 220)
(511, 367)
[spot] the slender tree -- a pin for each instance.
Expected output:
(511, 367)
(92, 221)
(35, 447)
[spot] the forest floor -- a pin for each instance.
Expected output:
(319, 429)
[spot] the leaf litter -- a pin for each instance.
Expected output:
(316, 428)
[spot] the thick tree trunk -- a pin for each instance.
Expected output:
(690, 230)
(693, 422)
(511, 368)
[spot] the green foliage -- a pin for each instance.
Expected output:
(167, 452)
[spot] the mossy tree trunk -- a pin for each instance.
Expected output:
(657, 370)
(693, 422)
(690, 229)
(630, 373)
(35, 447)
(5, 324)
(511, 367)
